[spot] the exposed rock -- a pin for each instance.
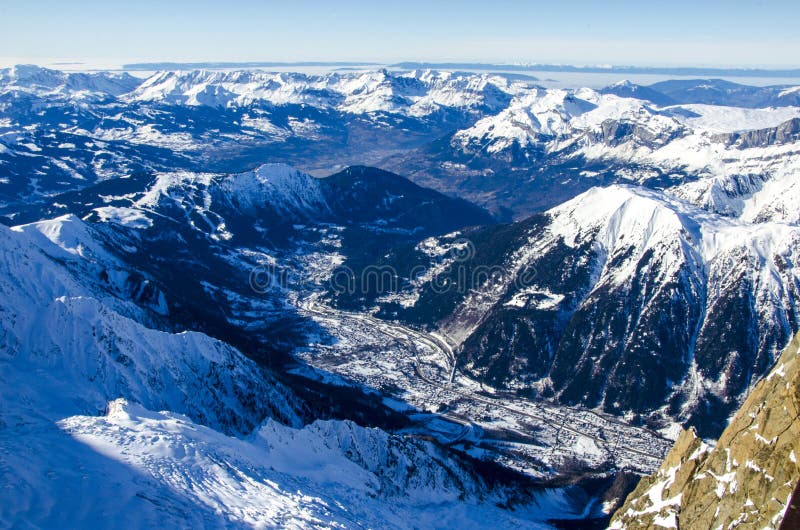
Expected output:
(786, 132)
(746, 481)
(619, 132)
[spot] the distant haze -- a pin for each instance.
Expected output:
(682, 33)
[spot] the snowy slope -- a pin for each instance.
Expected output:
(63, 316)
(721, 119)
(201, 200)
(288, 190)
(327, 475)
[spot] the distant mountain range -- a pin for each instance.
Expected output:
(488, 67)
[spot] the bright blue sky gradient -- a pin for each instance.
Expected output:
(687, 33)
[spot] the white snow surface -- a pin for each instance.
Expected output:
(280, 185)
(330, 474)
(69, 330)
(719, 118)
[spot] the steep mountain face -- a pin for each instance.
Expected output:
(784, 133)
(80, 319)
(746, 480)
(617, 299)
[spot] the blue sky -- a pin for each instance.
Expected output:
(679, 33)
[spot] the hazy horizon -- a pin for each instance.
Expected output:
(688, 34)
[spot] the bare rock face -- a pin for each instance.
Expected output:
(746, 481)
(784, 133)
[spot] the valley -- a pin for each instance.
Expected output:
(417, 370)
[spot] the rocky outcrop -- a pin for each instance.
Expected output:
(747, 480)
(786, 132)
(614, 133)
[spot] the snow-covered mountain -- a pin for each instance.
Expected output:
(78, 320)
(77, 129)
(617, 299)
(546, 115)
(539, 114)
(496, 139)
(626, 89)
(20, 80)
(275, 197)
(414, 93)
(168, 470)
(549, 145)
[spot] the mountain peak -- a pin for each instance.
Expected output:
(273, 171)
(280, 185)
